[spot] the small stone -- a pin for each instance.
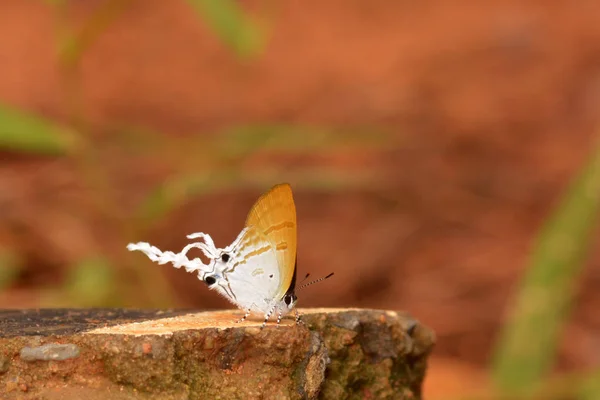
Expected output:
(209, 343)
(23, 387)
(53, 367)
(147, 348)
(50, 352)
(4, 364)
(11, 385)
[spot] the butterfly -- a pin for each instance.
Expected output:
(257, 272)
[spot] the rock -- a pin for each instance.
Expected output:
(4, 364)
(336, 353)
(49, 352)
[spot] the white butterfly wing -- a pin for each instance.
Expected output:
(274, 217)
(253, 276)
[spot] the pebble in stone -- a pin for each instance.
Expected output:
(4, 365)
(49, 352)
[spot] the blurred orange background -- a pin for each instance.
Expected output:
(426, 143)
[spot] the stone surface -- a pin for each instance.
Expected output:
(49, 352)
(45, 322)
(117, 354)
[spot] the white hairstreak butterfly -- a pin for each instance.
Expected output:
(257, 272)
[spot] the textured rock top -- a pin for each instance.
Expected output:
(62, 321)
(179, 354)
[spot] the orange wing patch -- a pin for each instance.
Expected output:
(274, 215)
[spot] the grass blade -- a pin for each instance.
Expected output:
(27, 133)
(529, 340)
(9, 267)
(91, 283)
(231, 24)
(179, 189)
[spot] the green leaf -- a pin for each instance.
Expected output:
(589, 389)
(528, 342)
(181, 188)
(9, 267)
(73, 44)
(297, 139)
(91, 283)
(174, 192)
(27, 133)
(231, 24)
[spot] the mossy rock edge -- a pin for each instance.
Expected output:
(98, 354)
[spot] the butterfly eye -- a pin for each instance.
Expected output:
(289, 299)
(225, 257)
(210, 280)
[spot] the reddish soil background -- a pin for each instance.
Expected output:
(492, 108)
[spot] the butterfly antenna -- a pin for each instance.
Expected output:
(305, 278)
(315, 281)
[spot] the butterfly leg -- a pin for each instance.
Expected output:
(279, 315)
(298, 320)
(244, 317)
(267, 316)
